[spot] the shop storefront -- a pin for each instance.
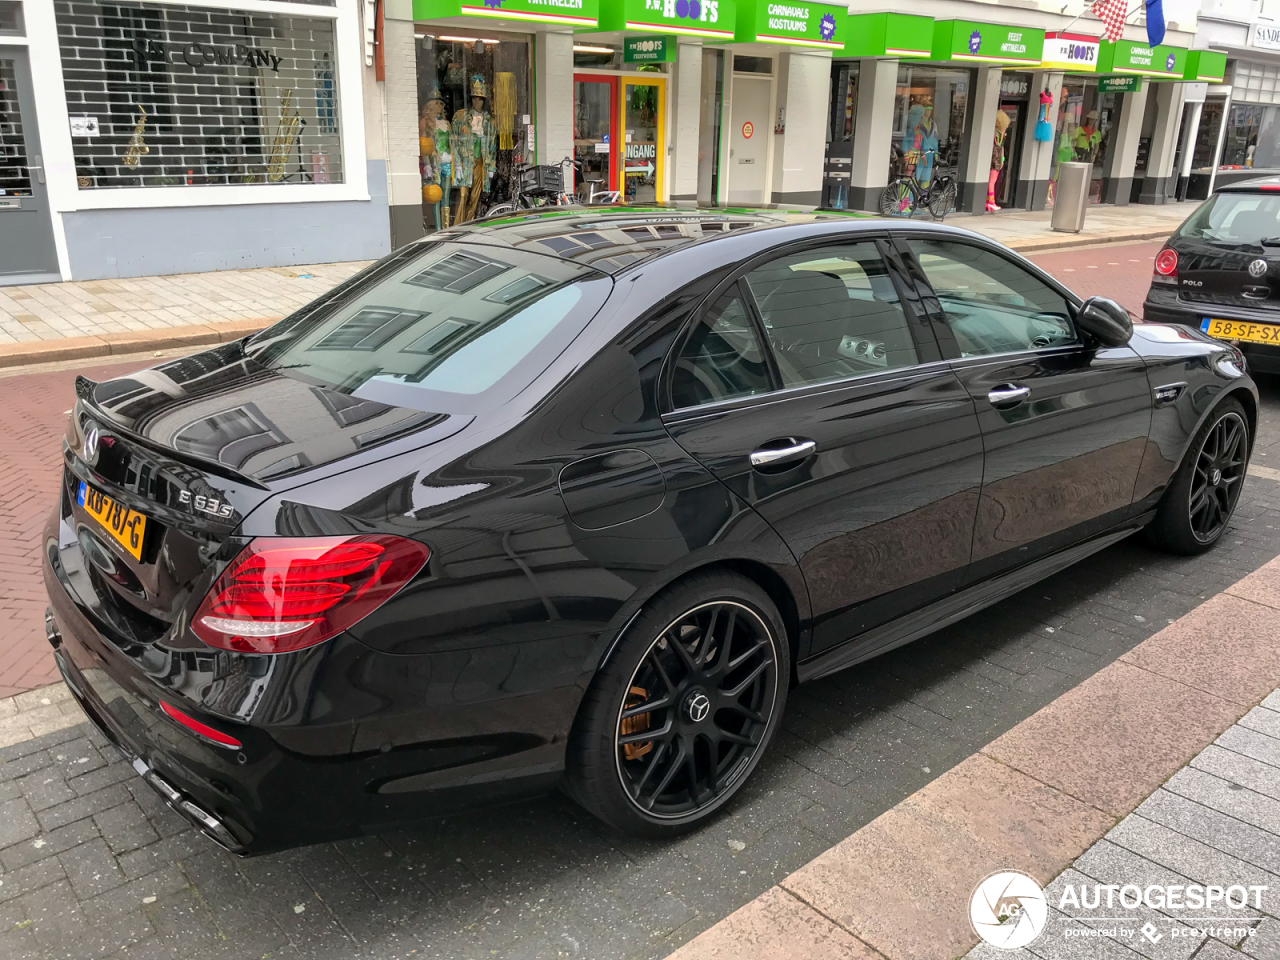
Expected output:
(1251, 139)
(1088, 109)
(477, 123)
(159, 121)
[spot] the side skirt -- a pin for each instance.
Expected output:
(948, 610)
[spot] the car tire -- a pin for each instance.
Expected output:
(712, 700)
(1198, 504)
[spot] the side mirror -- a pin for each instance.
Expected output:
(1106, 321)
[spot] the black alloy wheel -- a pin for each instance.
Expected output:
(1218, 476)
(696, 710)
(1203, 492)
(683, 708)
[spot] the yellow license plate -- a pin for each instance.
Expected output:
(125, 525)
(1242, 330)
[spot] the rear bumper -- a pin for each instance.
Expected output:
(293, 782)
(1165, 307)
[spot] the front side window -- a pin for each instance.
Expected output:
(721, 359)
(832, 312)
(168, 95)
(992, 305)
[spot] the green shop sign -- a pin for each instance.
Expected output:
(1207, 66)
(987, 42)
(819, 25)
(1132, 57)
(710, 19)
(649, 50)
(1119, 84)
(887, 35)
(570, 13)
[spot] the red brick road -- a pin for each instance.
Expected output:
(33, 417)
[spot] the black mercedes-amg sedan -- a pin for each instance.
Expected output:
(573, 499)
(1220, 272)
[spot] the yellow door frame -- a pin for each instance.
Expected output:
(660, 179)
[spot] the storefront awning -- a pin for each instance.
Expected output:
(1205, 66)
(986, 42)
(569, 13)
(887, 35)
(797, 23)
(709, 19)
(1070, 52)
(1132, 58)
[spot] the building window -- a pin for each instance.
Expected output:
(10, 18)
(1252, 136)
(929, 121)
(166, 95)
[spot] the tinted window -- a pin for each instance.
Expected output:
(438, 321)
(993, 305)
(1235, 218)
(832, 312)
(721, 359)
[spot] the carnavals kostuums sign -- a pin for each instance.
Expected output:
(986, 42)
(1132, 57)
(817, 25)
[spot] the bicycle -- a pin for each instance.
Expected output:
(904, 195)
(534, 186)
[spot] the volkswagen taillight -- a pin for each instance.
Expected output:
(1166, 266)
(285, 593)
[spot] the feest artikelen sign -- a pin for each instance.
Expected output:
(570, 13)
(987, 42)
(818, 25)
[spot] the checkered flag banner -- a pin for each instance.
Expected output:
(1113, 14)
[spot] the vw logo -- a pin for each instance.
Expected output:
(1257, 268)
(89, 451)
(697, 706)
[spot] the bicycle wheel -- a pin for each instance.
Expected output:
(898, 199)
(943, 200)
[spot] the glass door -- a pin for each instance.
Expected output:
(595, 125)
(642, 108)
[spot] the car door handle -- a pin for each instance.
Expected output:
(774, 456)
(1008, 395)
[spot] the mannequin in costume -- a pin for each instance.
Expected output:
(474, 156)
(997, 158)
(435, 162)
(1087, 137)
(921, 141)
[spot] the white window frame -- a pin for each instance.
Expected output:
(55, 130)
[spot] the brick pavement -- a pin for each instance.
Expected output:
(1040, 799)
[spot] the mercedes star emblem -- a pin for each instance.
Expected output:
(697, 706)
(1257, 268)
(90, 448)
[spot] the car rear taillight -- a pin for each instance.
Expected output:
(1166, 266)
(285, 593)
(203, 729)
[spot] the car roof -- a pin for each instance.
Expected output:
(1255, 185)
(613, 239)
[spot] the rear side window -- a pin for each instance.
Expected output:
(1232, 219)
(831, 313)
(721, 358)
(450, 329)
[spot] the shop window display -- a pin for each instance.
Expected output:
(1083, 133)
(474, 119)
(1252, 140)
(928, 122)
(174, 95)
